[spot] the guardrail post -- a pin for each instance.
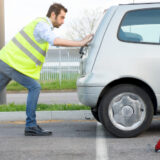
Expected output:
(60, 68)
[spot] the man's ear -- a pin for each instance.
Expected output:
(53, 15)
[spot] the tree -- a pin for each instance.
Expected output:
(85, 25)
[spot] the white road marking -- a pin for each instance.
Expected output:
(101, 147)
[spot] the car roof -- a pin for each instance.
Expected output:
(141, 3)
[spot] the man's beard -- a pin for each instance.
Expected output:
(56, 25)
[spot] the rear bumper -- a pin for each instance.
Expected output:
(89, 95)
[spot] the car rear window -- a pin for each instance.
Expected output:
(140, 26)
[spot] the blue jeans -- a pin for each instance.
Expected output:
(7, 73)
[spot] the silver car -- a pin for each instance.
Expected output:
(120, 69)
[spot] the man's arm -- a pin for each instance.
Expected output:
(44, 33)
(69, 43)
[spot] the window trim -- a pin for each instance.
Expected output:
(122, 21)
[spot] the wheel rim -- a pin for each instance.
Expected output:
(127, 111)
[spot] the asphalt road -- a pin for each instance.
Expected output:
(76, 140)
(45, 98)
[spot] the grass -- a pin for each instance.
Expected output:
(43, 107)
(46, 85)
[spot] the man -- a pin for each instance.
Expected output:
(22, 59)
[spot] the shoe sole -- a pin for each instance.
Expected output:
(33, 134)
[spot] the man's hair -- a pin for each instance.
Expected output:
(56, 8)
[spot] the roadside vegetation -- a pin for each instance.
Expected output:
(46, 85)
(43, 107)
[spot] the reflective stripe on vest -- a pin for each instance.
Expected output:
(28, 53)
(32, 43)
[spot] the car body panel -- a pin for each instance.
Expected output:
(110, 59)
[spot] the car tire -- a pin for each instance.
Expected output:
(95, 113)
(126, 110)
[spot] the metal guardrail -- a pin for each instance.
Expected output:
(63, 66)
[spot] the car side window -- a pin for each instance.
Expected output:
(141, 26)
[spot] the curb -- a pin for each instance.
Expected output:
(48, 115)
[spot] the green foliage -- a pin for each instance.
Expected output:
(43, 107)
(46, 85)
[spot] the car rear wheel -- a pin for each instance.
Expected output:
(95, 113)
(126, 110)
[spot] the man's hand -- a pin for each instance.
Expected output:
(68, 43)
(87, 39)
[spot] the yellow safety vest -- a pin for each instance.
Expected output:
(24, 53)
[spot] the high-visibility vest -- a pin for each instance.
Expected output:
(24, 53)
